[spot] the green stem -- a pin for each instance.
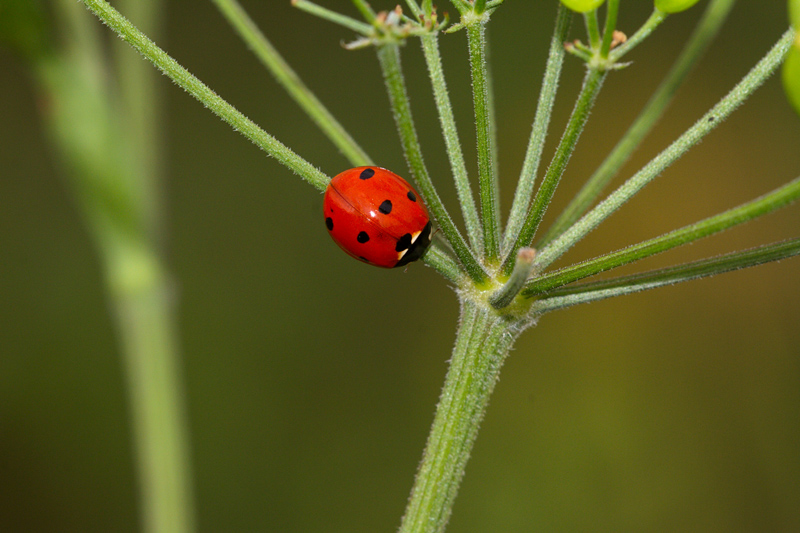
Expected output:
(430, 47)
(701, 128)
(592, 292)
(490, 216)
(201, 92)
(706, 30)
(591, 88)
(482, 343)
(544, 109)
(522, 271)
(653, 22)
(389, 57)
(592, 29)
(768, 203)
(113, 189)
(291, 82)
(332, 16)
(365, 10)
(441, 262)
(612, 8)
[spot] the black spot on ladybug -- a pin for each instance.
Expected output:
(403, 243)
(329, 223)
(362, 237)
(385, 207)
(411, 196)
(366, 174)
(417, 248)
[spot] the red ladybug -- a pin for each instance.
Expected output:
(377, 217)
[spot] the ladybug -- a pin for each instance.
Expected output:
(377, 217)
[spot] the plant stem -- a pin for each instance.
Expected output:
(522, 271)
(544, 109)
(592, 29)
(389, 57)
(114, 191)
(612, 8)
(441, 262)
(291, 82)
(706, 30)
(201, 92)
(490, 216)
(430, 47)
(592, 292)
(768, 203)
(653, 22)
(482, 343)
(580, 114)
(333, 16)
(692, 136)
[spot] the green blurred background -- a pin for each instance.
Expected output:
(311, 379)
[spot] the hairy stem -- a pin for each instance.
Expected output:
(592, 292)
(182, 77)
(706, 30)
(430, 47)
(288, 78)
(389, 57)
(487, 180)
(752, 81)
(544, 110)
(482, 343)
(580, 114)
(768, 203)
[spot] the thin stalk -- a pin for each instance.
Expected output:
(182, 77)
(780, 197)
(430, 47)
(365, 10)
(332, 16)
(291, 82)
(592, 292)
(707, 29)
(490, 215)
(482, 343)
(114, 195)
(541, 122)
(580, 114)
(752, 81)
(389, 57)
(592, 28)
(441, 262)
(522, 271)
(653, 22)
(612, 7)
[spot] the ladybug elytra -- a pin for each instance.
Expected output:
(377, 217)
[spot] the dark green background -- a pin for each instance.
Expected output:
(312, 378)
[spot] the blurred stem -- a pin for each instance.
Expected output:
(482, 342)
(612, 7)
(752, 81)
(707, 29)
(129, 33)
(115, 196)
(288, 78)
(653, 22)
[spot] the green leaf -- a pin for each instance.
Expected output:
(674, 6)
(791, 76)
(582, 6)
